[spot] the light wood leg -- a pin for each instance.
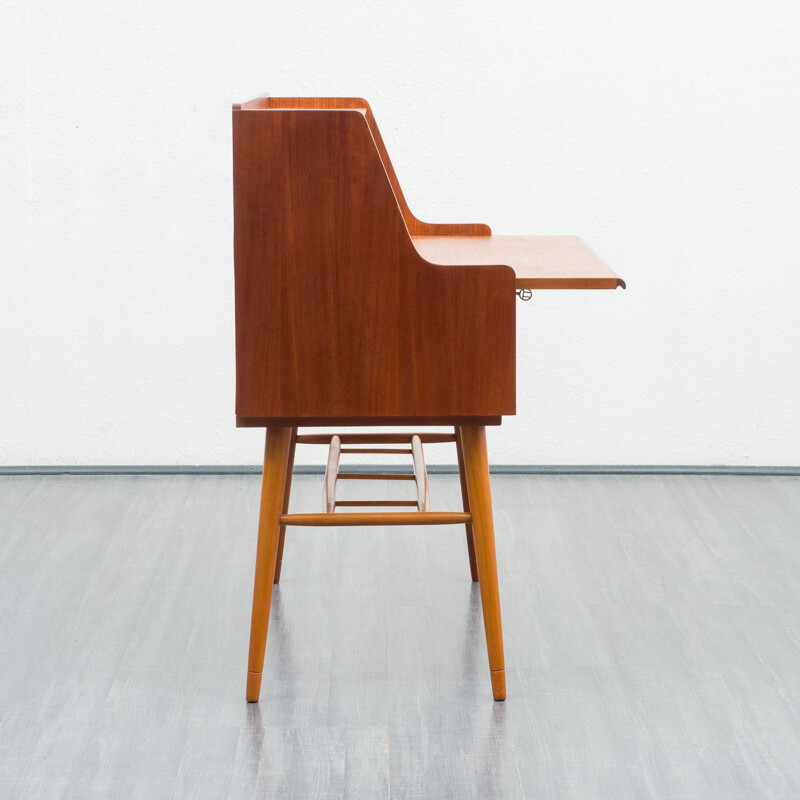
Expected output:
(273, 487)
(282, 533)
(473, 567)
(476, 463)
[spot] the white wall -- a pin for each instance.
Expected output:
(667, 135)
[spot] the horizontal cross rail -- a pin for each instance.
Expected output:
(375, 438)
(377, 518)
(357, 503)
(377, 476)
(384, 450)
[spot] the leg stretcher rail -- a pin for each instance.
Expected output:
(422, 516)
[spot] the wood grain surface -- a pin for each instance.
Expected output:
(476, 475)
(338, 317)
(414, 225)
(277, 455)
(539, 262)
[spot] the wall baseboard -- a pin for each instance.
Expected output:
(499, 469)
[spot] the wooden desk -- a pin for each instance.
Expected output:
(352, 311)
(539, 262)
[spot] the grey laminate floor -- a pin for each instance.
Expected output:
(652, 629)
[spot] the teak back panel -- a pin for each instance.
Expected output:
(338, 318)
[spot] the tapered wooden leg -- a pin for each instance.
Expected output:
(282, 533)
(476, 463)
(273, 489)
(473, 567)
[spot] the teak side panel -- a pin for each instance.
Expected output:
(337, 314)
(416, 227)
